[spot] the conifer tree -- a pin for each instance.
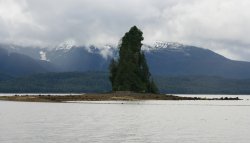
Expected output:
(130, 72)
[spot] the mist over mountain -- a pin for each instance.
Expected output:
(169, 59)
(78, 59)
(17, 64)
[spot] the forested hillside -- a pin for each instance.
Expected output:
(98, 82)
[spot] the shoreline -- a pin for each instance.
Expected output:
(116, 96)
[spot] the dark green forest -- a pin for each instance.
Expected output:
(57, 83)
(92, 82)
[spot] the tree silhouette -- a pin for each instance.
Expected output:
(130, 72)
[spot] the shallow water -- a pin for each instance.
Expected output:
(122, 121)
(23, 94)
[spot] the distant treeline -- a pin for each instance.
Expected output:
(202, 85)
(57, 83)
(88, 82)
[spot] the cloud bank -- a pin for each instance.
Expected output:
(219, 25)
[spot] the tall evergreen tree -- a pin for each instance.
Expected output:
(130, 72)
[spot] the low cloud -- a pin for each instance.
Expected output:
(43, 56)
(222, 26)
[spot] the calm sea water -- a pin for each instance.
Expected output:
(116, 122)
(23, 94)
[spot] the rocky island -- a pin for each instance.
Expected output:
(114, 96)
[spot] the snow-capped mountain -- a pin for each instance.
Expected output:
(164, 58)
(171, 47)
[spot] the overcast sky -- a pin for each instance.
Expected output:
(219, 25)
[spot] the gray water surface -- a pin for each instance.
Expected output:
(115, 122)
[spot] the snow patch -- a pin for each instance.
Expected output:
(163, 45)
(66, 45)
(172, 45)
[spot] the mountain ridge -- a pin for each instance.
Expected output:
(164, 58)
